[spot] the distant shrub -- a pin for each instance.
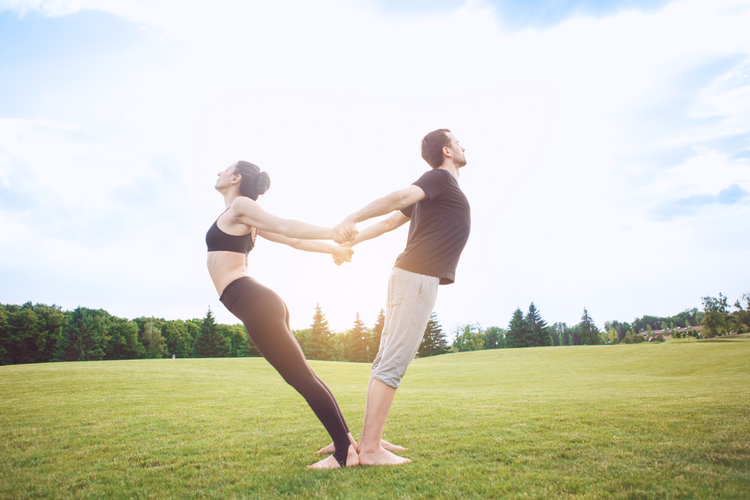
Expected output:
(633, 339)
(659, 338)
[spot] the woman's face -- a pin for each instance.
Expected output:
(226, 177)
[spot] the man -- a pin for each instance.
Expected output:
(440, 222)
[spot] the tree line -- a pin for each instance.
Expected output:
(531, 330)
(35, 333)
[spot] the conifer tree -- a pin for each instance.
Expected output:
(434, 341)
(81, 338)
(377, 331)
(320, 336)
(519, 331)
(359, 339)
(589, 331)
(565, 335)
(210, 342)
(538, 326)
(575, 335)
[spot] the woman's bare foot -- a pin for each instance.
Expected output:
(381, 457)
(352, 460)
(330, 448)
(385, 444)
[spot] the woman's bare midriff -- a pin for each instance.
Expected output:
(225, 267)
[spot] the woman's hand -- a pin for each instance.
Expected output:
(343, 233)
(342, 254)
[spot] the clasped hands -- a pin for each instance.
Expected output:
(344, 234)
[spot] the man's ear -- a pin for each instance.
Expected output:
(447, 152)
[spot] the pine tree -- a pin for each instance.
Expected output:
(434, 341)
(377, 331)
(81, 339)
(589, 331)
(359, 337)
(564, 334)
(575, 335)
(519, 331)
(320, 335)
(538, 326)
(210, 342)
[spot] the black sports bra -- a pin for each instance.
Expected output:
(219, 241)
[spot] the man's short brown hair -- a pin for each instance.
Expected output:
(432, 146)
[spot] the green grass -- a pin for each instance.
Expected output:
(629, 421)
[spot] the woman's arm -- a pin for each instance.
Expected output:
(340, 254)
(250, 214)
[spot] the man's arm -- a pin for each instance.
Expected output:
(385, 205)
(395, 221)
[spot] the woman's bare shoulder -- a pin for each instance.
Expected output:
(243, 205)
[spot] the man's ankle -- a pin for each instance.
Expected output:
(367, 448)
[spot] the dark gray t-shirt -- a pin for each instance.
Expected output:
(439, 228)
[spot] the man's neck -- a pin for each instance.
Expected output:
(450, 167)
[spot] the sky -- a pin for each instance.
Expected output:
(608, 148)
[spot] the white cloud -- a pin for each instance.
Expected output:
(332, 98)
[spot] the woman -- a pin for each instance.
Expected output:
(264, 314)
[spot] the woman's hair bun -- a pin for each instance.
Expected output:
(262, 183)
(254, 182)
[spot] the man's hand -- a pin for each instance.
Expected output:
(345, 231)
(342, 254)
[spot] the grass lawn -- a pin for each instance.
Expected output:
(659, 421)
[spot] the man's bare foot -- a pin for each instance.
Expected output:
(385, 444)
(391, 447)
(352, 460)
(381, 457)
(330, 448)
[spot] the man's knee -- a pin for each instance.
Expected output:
(391, 377)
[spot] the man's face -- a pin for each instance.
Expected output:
(459, 159)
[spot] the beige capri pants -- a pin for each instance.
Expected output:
(411, 299)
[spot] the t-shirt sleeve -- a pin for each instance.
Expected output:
(432, 183)
(408, 210)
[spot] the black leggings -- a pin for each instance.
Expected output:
(266, 319)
